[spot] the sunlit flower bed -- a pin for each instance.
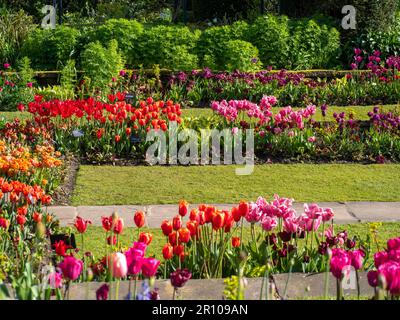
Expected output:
(253, 239)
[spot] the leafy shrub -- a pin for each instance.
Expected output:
(101, 63)
(14, 28)
(157, 44)
(49, 49)
(313, 45)
(241, 55)
(271, 35)
(126, 32)
(212, 42)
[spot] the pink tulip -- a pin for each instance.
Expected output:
(291, 225)
(308, 224)
(327, 214)
(393, 244)
(71, 268)
(254, 214)
(149, 267)
(380, 258)
(339, 261)
(55, 280)
(268, 223)
(134, 257)
(391, 272)
(357, 259)
(118, 265)
(313, 211)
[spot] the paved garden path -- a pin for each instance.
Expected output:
(348, 212)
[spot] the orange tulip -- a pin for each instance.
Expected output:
(184, 235)
(146, 237)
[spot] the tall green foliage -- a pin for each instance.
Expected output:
(101, 63)
(14, 28)
(51, 49)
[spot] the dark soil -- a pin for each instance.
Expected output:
(63, 194)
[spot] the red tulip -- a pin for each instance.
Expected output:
(81, 224)
(22, 211)
(184, 235)
(192, 226)
(4, 223)
(117, 138)
(194, 215)
(177, 222)
(118, 224)
(166, 227)
(107, 223)
(61, 248)
(183, 208)
(139, 219)
(244, 208)
(172, 237)
(229, 221)
(209, 213)
(179, 250)
(236, 214)
(21, 220)
(37, 217)
(168, 251)
(235, 242)
(218, 221)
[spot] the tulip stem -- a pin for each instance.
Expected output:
(116, 290)
(358, 284)
(241, 235)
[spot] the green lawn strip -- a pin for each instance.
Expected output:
(360, 112)
(95, 237)
(143, 185)
(11, 115)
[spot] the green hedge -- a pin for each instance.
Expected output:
(276, 41)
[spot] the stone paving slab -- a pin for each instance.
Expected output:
(374, 211)
(349, 212)
(300, 286)
(313, 285)
(65, 214)
(208, 289)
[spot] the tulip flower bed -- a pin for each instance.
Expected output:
(255, 239)
(200, 88)
(102, 131)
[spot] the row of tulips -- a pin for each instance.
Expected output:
(103, 130)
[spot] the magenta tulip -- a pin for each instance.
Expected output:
(71, 268)
(149, 267)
